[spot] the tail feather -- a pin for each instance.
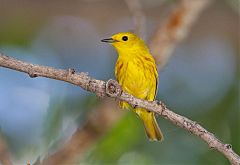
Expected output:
(151, 127)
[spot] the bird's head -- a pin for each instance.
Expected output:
(126, 41)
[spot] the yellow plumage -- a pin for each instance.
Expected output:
(136, 72)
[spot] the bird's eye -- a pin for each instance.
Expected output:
(124, 38)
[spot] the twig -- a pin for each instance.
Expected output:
(113, 89)
(175, 28)
(138, 15)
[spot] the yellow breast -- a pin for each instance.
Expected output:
(137, 76)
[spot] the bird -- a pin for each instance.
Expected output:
(136, 72)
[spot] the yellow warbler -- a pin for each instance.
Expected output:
(136, 72)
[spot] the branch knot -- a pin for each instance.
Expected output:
(32, 74)
(163, 106)
(70, 72)
(113, 89)
(228, 146)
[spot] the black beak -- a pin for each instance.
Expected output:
(109, 40)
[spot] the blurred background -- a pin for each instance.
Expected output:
(38, 117)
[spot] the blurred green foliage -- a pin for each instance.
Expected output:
(123, 137)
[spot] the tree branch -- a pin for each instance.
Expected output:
(112, 89)
(175, 28)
